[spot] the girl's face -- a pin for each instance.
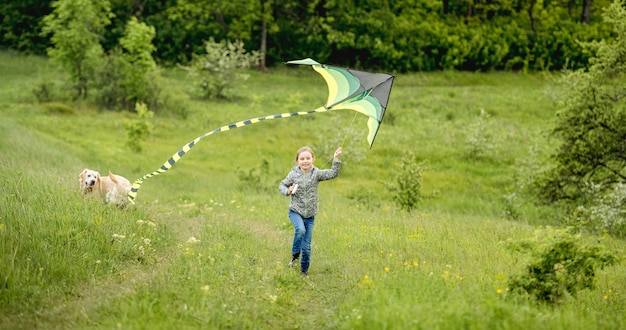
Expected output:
(305, 160)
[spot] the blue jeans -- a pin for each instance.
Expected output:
(302, 238)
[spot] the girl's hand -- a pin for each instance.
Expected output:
(337, 153)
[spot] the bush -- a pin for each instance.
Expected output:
(139, 129)
(218, 71)
(408, 183)
(253, 178)
(605, 213)
(45, 91)
(479, 140)
(560, 264)
(129, 74)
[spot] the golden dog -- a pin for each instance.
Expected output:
(112, 189)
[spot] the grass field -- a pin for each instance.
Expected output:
(207, 248)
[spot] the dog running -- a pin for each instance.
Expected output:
(112, 189)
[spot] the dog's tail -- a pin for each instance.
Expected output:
(113, 177)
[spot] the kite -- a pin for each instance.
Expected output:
(361, 91)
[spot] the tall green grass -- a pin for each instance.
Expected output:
(204, 249)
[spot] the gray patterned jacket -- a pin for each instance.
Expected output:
(305, 200)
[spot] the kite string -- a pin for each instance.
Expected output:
(348, 132)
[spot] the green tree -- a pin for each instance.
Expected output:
(591, 125)
(20, 25)
(129, 74)
(77, 27)
(142, 69)
(186, 25)
(400, 35)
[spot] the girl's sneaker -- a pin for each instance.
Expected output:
(294, 260)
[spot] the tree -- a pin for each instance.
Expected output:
(266, 19)
(76, 27)
(20, 25)
(390, 35)
(138, 49)
(186, 25)
(585, 17)
(128, 74)
(591, 125)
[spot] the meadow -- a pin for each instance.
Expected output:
(208, 242)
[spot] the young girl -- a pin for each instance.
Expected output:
(301, 184)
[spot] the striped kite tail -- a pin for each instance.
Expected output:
(132, 194)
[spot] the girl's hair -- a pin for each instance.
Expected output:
(303, 149)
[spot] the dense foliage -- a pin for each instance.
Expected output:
(561, 264)
(75, 28)
(217, 72)
(407, 184)
(591, 156)
(399, 35)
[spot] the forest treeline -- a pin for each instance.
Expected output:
(392, 35)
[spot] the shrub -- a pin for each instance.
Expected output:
(560, 264)
(218, 71)
(479, 141)
(129, 74)
(139, 129)
(407, 184)
(253, 178)
(605, 212)
(44, 91)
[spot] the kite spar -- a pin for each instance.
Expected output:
(364, 92)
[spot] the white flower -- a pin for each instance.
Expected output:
(193, 240)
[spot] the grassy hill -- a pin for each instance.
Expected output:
(208, 243)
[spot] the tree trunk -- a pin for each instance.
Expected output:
(263, 45)
(531, 16)
(138, 8)
(586, 14)
(570, 8)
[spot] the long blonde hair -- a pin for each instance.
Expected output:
(303, 149)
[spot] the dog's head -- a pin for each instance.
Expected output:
(88, 180)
